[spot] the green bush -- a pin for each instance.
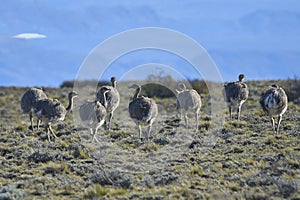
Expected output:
(160, 91)
(292, 89)
(155, 90)
(70, 84)
(199, 85)
(67, 84)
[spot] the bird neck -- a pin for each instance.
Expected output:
(137, 92)
(104, 99)
(114, 84)
(70, 106)
(183, 87)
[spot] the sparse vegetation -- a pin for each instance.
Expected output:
(248, 161)
(293, 90)
(70, 84)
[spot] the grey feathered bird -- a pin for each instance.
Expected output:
(188, 100)
(274, 101)
(112, 99)
(28, 102)
(235, 94)
(51, 110)
(142, 110)
(93, 114)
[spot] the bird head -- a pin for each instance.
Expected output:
(113, 79)
(275, 86)
(241, 77)
(39, 88)
(56, 102)
(73, 94)
(104, 89)
(135, 86)
(181, 87)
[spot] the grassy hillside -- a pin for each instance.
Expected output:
(244, 160)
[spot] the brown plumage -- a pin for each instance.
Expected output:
(51, 110)
(188, 100)
(112, 99)
(29, 100)
(274, 101)
(235, 94)
(142, 110)
(93, 114)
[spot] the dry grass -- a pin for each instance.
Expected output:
(247, 162)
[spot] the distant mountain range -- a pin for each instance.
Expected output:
(262, 42)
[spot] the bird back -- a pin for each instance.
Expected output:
(189, 99)
(273, 100)
(235, 91)
(91, 112)
(112, 98)
(143, 109)
(100, 111)
(30, 98)
(50, 109)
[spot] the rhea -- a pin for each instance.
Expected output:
(29, 100)
(142, 110)
(51, 110)
(274, 101)
(93, 113)
(188, 99)
(235, 94)
(112, 98)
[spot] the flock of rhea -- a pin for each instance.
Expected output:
(143, 110)
(35, 101)
(273, 100)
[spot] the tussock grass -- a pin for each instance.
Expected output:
(248, 161)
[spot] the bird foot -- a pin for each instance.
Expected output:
(94, 138)
(31, 128)
(49, 140)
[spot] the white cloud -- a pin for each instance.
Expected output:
(28, 36)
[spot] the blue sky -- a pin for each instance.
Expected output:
(258, 38)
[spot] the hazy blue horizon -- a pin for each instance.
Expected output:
(43, 43)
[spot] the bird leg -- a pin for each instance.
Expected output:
(149, 130)
(48, 135)
(94, 138)
(139, 130)
(179, 111)
(273, 124)
(105, 124)
(230, 113)
(178, 115)
(278, 123)
(94, 135)
(197, 119)
(109, 120)
(239, 112)
(52, 131)
(30, 117)
(38, 124)
(186, 119)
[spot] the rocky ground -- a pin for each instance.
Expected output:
(241, 160)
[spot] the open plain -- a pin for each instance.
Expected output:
(245, 160)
